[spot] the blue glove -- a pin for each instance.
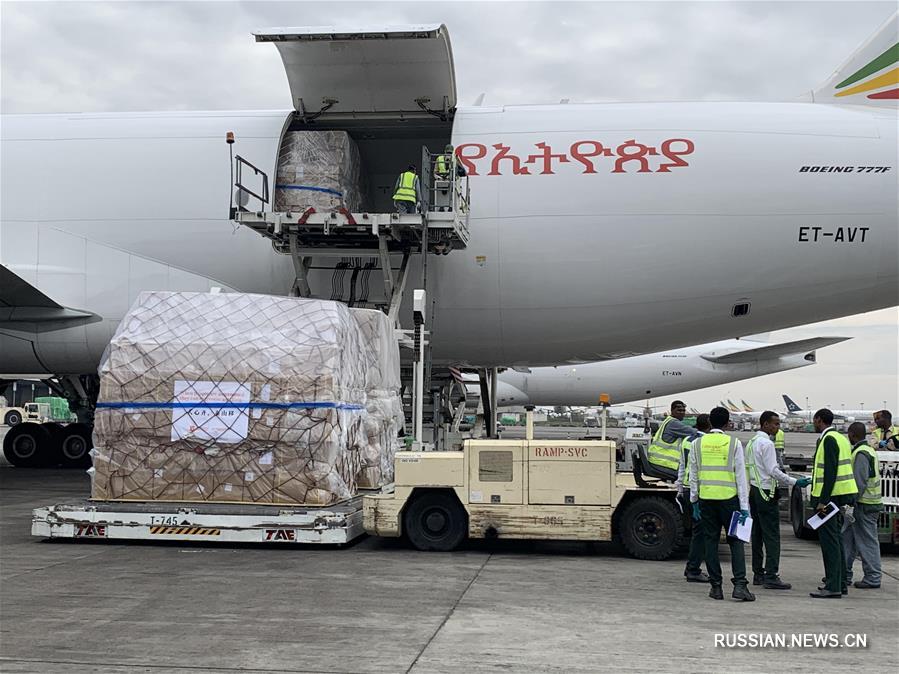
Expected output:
(882, 444)
(803, 482)
(696, 511)
(743, 515)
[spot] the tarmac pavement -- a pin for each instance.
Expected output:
(379, 606)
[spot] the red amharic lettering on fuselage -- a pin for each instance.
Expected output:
(588, 156)
(571, 452)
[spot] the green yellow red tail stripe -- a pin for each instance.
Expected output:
(887, 81)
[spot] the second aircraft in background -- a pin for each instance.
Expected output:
(653, 375)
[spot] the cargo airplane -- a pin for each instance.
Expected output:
(98, 207)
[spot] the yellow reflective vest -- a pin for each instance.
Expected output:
(685, 458)
(779, 441)
(715, 467)
(406, 190)
(845, 481)
(441, 168)
(879, 434)
(661, 453)
(872, 494)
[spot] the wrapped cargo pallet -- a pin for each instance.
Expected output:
(386, 418)
(319, 169)
(232, 397)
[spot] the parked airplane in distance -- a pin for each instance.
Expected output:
(656, 374)
(847, 415)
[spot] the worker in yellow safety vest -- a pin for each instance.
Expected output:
(693, 571)
(885, 436)
(860, 537)
(779, 446)
(718, 490)
(833, 485)
(407, 192)
(665, 448)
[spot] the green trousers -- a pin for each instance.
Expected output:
(765, 535)
(831, 538)
(696, 553)
(713, 516)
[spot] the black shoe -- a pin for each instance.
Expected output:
(697, 577)
(758, 579)
(716, 593)
(823, 588)
(776, 584)
(865, 585)
(825, 594)
(741, 592)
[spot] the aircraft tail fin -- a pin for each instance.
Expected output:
(746, 406)
(791, 406)
(731, 406)
(870, 76)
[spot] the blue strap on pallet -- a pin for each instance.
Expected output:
(310, 188)
(227, 405)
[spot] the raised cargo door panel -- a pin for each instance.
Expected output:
(382, 69)
(570, 473)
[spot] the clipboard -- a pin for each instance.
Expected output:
(737, 530)
(816, 520)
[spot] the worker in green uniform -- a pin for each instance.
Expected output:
(718, 489)
(407, 191)
(832, 482)
(860, 537)
(693, 571)
(764, 475)
(885, 436)
(665, 447)
(779, 447)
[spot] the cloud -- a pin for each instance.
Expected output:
(101, 56)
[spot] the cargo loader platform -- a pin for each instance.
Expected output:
(336, 524)
(347, 231)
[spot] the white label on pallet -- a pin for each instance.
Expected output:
(224, 425)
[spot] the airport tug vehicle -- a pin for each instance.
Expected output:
(525, 489)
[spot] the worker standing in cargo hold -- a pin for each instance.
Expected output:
(860, 537)
(693, 571)
(443, 178)
(718, 489)
(407, 192)
(664, 450)
(885, 436)
(764, 475)
(832, 481)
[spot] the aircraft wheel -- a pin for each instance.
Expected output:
(652, 528)
(75, 446)
(12, 418)
(28, 446)
(797, 516)
(436, 521)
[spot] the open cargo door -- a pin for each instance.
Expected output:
(390, 71)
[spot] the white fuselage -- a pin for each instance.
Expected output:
(636, 378)
(579, 260)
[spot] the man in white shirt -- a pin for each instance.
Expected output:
(718, 489)
(764, 475)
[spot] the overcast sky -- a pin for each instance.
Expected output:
(103, 56)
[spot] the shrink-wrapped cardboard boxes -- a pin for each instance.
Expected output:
(245, 398)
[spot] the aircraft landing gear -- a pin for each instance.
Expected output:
(42, 445)
(30, 445)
